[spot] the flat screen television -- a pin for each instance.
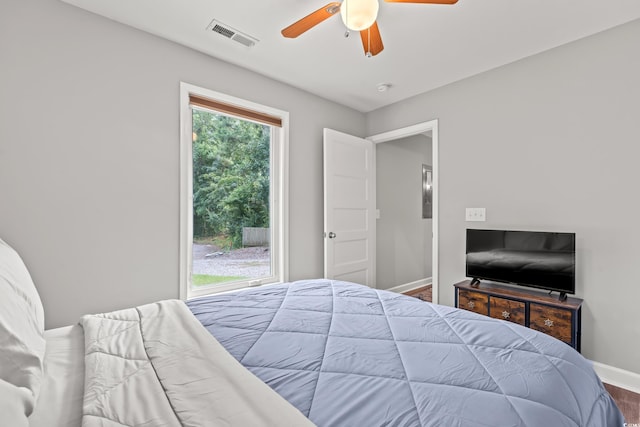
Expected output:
(544, 260)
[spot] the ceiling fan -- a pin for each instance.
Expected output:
(357, 15)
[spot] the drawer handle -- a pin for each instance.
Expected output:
(471, 304)
(548, 323)
(506, 314)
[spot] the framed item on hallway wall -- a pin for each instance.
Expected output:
(427, 192)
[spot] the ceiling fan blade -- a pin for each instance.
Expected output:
(424, 1)
(371, 40)
(311, 20)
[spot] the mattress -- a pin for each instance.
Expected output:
(348, 355)
(61, 393)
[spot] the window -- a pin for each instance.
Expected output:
(233, 191)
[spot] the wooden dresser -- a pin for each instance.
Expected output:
(533, 309)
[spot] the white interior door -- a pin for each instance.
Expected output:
(349, 208)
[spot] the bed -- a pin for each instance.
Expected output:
(316, 352)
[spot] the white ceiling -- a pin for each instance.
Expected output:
(426, 46)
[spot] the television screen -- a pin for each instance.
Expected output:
(531, 258)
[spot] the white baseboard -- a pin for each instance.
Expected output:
(618, 377)
(411, 286)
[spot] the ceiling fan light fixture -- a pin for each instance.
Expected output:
(359, 15)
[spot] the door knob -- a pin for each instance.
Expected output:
(332, 235)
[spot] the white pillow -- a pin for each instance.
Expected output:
(22, 342)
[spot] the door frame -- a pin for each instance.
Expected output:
(405, 132)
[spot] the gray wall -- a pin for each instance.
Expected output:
(549, 143)
(89, 155)
(403, 252)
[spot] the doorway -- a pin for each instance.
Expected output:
(407, 258)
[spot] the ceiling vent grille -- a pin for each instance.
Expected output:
(231, 33)
(223, 30)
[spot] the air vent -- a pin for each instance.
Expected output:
(223, 30)
(231, 33)
(243, 40)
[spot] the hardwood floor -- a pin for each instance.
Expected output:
(627, 401)
(423, 293)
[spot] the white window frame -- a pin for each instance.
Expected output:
(279, 200)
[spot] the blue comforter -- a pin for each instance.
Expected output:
(348, 355)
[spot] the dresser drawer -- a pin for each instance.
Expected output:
(553, 321)
(506, 309)
(560, 319)
(473, 301)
